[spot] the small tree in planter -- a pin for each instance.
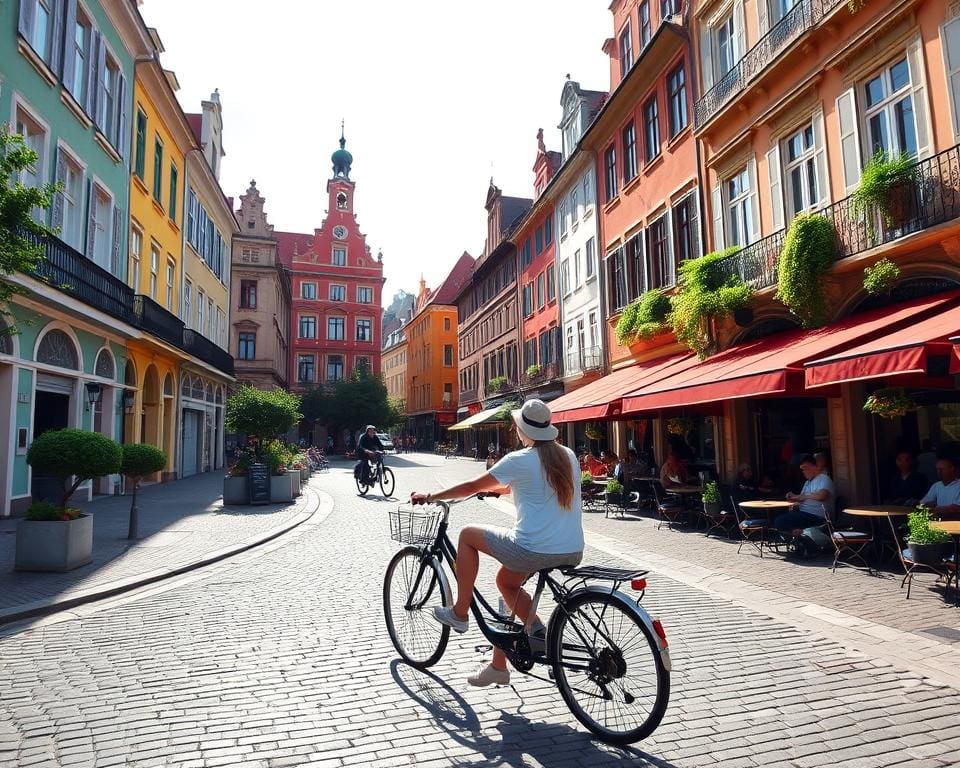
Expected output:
(926, 545)
(139, 461)
(55, 537)
(711, 499)
(264, 414)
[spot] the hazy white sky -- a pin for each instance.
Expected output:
(437, 97)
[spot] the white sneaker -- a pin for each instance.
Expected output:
(489, 675)
(448, 617)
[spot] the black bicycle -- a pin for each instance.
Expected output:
(605, 653)
(377, 472)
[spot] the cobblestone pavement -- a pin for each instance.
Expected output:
(279, 657)
(179, 523)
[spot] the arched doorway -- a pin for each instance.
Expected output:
(169, 411)
(104, 415)
(128, 432)
(151, 411)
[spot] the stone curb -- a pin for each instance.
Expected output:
(119, 586)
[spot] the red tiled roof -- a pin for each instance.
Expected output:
(196, 124)
(450, 288)
(288, 242)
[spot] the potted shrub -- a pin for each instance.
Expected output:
(809, 250)
(586, 481)
(889, 185)
(644, 319)
(497, 384)
(54, 536)
(139, 461)
(926, 545)
(711, 499)
(614, 492)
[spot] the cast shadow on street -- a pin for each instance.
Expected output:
(519, 739)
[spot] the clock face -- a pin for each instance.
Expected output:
(340, 232)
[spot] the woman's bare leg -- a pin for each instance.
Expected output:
(472, 541)
(510, 584)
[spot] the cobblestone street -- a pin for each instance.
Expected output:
(279, 657)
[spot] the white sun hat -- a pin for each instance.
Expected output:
(533, 419)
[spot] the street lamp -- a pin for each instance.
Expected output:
(94, 392)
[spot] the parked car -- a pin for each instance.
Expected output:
(385, 439)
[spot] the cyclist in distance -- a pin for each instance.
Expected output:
(367, 449)
(544, 478)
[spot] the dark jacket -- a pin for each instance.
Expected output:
(369, 443)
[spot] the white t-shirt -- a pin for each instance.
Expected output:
(941, 495)
(820, 482)
(543, 526)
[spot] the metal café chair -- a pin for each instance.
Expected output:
(726, 521)
(848, 542)
(671, 510)
(753, 530)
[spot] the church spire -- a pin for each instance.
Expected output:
(342, 160)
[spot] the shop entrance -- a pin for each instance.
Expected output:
(51, 411)
(784, 431)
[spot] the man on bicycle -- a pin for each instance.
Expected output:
(367, 449)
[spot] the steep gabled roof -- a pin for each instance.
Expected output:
(195, 119)
(449, 289)
(511, 211)
(289, 243)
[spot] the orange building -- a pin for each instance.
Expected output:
(432, 357)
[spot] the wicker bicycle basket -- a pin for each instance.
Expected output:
(414, 525)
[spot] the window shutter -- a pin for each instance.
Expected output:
(117, 231)
(91, 219)
(740, 31)
(68, 43)
(57, 10)
(775, 178)
(25, 20)
(754, 200)
(93, 73)
(716, 203)
(820, 158)
(101, 85)
(669, 252)
(56, 220)
(694, 207)
(123, 132)
(918, 80)
(763, 17)
(849, 138)
(706, 57)
(950, 33)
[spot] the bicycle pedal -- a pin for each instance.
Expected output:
(482, 648)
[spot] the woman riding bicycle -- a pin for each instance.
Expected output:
(544, 480)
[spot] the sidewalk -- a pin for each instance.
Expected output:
(183, 525)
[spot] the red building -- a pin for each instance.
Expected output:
(540, 369)
(336, 305)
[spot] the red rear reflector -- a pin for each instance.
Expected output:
(638, 584)
(658, 628)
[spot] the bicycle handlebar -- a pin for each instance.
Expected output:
(481, 495)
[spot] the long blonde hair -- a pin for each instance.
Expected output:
(556, 466)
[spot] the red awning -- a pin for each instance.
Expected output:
(906, 350)
(600, 399)
(774, 364)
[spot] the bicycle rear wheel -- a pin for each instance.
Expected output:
(608, 668)
(418, 637)
(362, 487)
(387, 481)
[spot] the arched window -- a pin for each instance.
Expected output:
(168, 385)
(219, 395)
(197, 388)
(209, 393)
(104, 366)
(6, 343)
(130, 374)
(56, 348)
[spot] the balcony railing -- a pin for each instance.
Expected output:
(803, 16)
(70, 271)
(156, 320)
(547, 372)
(200, 346)
(588, 359)
(932, 198)
(468, 396)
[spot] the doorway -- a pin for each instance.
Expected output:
(51, 411)
(191, 442)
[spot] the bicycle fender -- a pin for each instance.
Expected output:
(444, 581)
(652, 624)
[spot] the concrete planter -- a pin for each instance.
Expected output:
(235, 490)
(54, 545)
(295, 488)
(304, 476)
(281, 488)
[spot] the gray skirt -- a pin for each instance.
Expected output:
(504, 547)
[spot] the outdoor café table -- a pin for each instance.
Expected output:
(889, 511)
(684, 490)
(953, 528)
(767, 506)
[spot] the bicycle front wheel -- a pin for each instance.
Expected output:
(608, 668)
(411, 590)
(387, 482)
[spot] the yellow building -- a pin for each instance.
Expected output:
(394, 365)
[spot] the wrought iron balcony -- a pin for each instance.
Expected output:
(69, 271)
(546, 373)
(468, 396)
(201, 347)
(157, 321)
(932, 198)
(587, 359)
(803, 16)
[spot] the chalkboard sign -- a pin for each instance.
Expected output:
(258, 479)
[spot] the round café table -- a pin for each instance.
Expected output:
(768, 507)
(888, 511)
(953, 528)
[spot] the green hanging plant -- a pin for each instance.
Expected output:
(808, 252)
(706, 293)
(886, 184)
(879, 279)
(889, 403)
(643, 318)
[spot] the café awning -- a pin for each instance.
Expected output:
(921, 347)
(477, 419)
(774, 364)
(600, 399)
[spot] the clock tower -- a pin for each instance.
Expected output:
(336, 283)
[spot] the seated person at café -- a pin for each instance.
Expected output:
(943, 498)
(629, 469)
(745, 482)
(596, 467)
(673, 472)
(822, 459)
(907, 486)
(609, 459)
(814, 502)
